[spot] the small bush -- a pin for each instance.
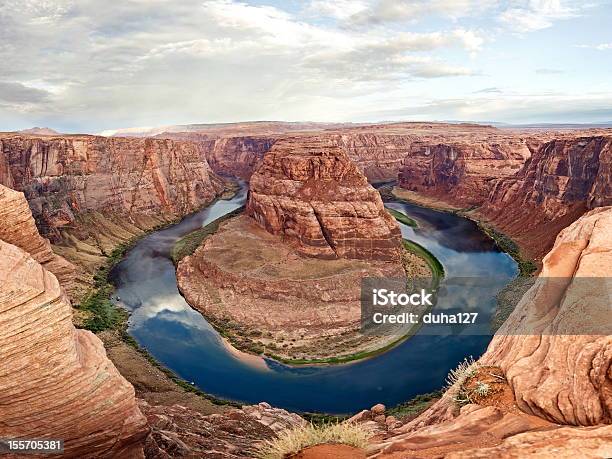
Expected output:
(482, 389)
(294, 440)
(459, 375)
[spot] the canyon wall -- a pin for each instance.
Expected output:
(563, 179)
(63, 177)
(236, 156)
(18, 227)
(309, 191)
(461, 171)
(555, 357)
(55, 380)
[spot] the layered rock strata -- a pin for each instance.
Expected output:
(18, 227)
(56, 381)
(64, 177)
(269, 298)
(563, 179)
(461, 171)
(308, 191)
(178, 431)
(555, 355)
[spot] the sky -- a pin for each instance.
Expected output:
(93, 65)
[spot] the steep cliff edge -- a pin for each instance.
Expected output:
(554, 355)
(56, 381)
(64, 177)
(563, 179)
(461, 171)
(18, 227)
(309, 191)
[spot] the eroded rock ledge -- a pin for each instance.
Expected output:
(558, 383)
(310, 192)
(55, 380)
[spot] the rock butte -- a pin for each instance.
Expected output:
(291, 274)
(310, 192)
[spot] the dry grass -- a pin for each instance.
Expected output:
(292, 441)
(457, 377)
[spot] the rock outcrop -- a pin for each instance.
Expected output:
(56, 381)
(64, 177)
(178, 431)
(563, 179)
(461, 171)
(18, 227)
(555, 353)
(309, 191)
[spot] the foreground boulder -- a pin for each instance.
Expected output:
(56, 381)
(310, 192)
(554, 353)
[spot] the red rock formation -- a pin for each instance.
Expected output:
(237, 156)
(563, 179)
(308, 190)
(555, 351)
(63, 177)
(17, 226)
(55, 381)
(461, 171)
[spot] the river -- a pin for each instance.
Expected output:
(182, 340)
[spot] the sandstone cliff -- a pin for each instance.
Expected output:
(563, 179)
(17, 226)
(309, 191)
(555, 355)
(63, 177)
(461, 171)
(56, 381)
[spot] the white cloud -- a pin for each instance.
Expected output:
(534, 15)
(338, 9)
(386, 11)
(88, 65)
(599, 47)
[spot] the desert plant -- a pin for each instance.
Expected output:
(482, 389)
(294, 440)
(465, 370)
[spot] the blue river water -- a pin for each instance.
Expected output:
(181, 339)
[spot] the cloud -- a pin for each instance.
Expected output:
(546, 71)
(599, 47)
(14, 93)
(511, 108)
(535, 15)
(389, 11)
(491, 90)
(82, 65)
(338, 9)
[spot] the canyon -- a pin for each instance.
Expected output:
(68, 201)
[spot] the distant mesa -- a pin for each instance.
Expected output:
(40, 131)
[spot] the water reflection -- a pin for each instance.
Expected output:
(181, 339)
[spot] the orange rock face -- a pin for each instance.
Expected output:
(17, 226)
(564, 178)
(309, 191)
(461, 171)
(56, 382)
(555, 351)
(68, 175)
